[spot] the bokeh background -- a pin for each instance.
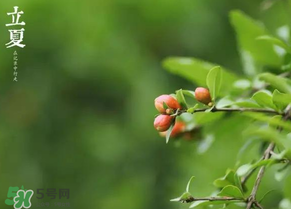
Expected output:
(81, 114)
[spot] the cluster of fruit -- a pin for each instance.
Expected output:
(168, 107)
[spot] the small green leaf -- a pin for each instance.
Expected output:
(213, 81)
(188, 184)
(274, 41)
(266, 195)
(231, 191)
(192, 109)
(183, 197)
(246, 103)
(189, 93)
(277, 82)
(224, 102)
(169, 131)
(274, 121)
(281, 100)
(181, 99)
(244, 169)
(206, 202)
(264, 99)
(231, 178)
(283, 173)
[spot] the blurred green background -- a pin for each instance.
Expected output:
(81, 114)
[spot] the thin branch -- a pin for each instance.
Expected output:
(214, 109)
(192, 199)
(267, 155)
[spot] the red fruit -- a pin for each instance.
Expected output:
(178, 128)
(163, 122)
(170, 101)
(202, 95)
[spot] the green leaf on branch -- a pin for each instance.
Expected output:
(246, 103)
(231, 191)
(181, 99)
(265, 195)
(186, 195)
(189, 93)
(188, 184)
(277, 82)
(213, 80)
(169, 131)
(273, 121)
(245, 169)
(231, 178)
(192, 109)
(224, 102)
(264, 99)
(206, 202)
(281, 100)
(274, 41)
(261, 51)
(196, 70)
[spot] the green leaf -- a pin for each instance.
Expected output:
(245, 148)
(244, 169)
(184, 197)
(274, 121)
(205, 144)
(246, 103)
(281, 100)
(274, 41)
(261, 51)
(266, 195)
(189, 93)
(282, 173)
(196, 70)
(270, 134)
(207, 117)
(231, 191)
(192, 109)
(181, 99)
(213, 81)
(169, 131)
(231, 178)
(277, 82)
(224, 102)
(188, 184)
(264, 99)
(205, 203)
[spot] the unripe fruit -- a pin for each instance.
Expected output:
(202, 95)
(170, 101)
(163, 122)
(178, 128)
